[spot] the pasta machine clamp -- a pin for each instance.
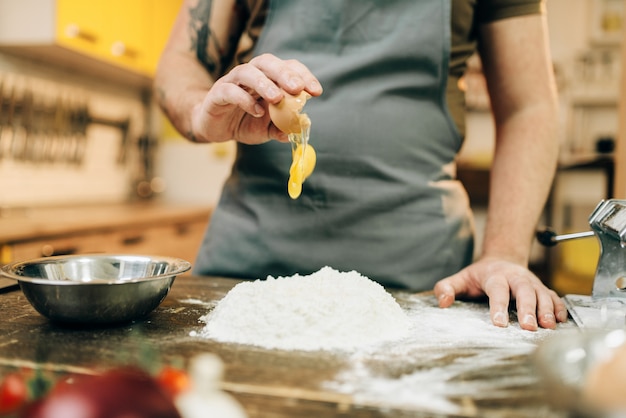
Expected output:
(606, 307)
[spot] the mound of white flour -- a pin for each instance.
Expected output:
(327, 310)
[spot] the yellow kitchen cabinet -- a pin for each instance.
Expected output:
(160, 24)
(112, 30)
(105, 37)
(126, 32)
(79, 25)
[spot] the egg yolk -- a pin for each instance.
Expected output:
(302, 166)
(303, 158)
(287, 117)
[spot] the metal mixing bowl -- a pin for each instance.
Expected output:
(565, 361)
(96, 289)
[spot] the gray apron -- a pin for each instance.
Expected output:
(382, 200)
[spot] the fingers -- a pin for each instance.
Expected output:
(236, 106)
(526, 300)
(274, 132)
(462, 283)
(225, 94)
(507, 281)
(264, 76)
(249, 87)
(541, 307)
(559, 308)
(496, 287)
(290, 75)
(445, 293)
(550, 309)
(537, 306)
(243, 86)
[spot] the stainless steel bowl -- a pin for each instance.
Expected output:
(96, 289)
(565, 362)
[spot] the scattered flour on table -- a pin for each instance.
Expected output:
(327, 310)
(435, 364)
(192, 301)
(403, 351)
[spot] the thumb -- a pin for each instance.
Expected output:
(447, 289)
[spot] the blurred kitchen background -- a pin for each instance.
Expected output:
(89, 164)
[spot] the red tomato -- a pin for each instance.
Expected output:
(13, 393)
(173, 380)
(123, 392)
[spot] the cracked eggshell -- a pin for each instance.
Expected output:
(286, 114)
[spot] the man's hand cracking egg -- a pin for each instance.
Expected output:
(287, 117)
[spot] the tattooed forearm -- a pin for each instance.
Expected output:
(162, 102)
(200, 34)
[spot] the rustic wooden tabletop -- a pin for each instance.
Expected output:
(463, 375)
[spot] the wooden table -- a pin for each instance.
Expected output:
(274, 383)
